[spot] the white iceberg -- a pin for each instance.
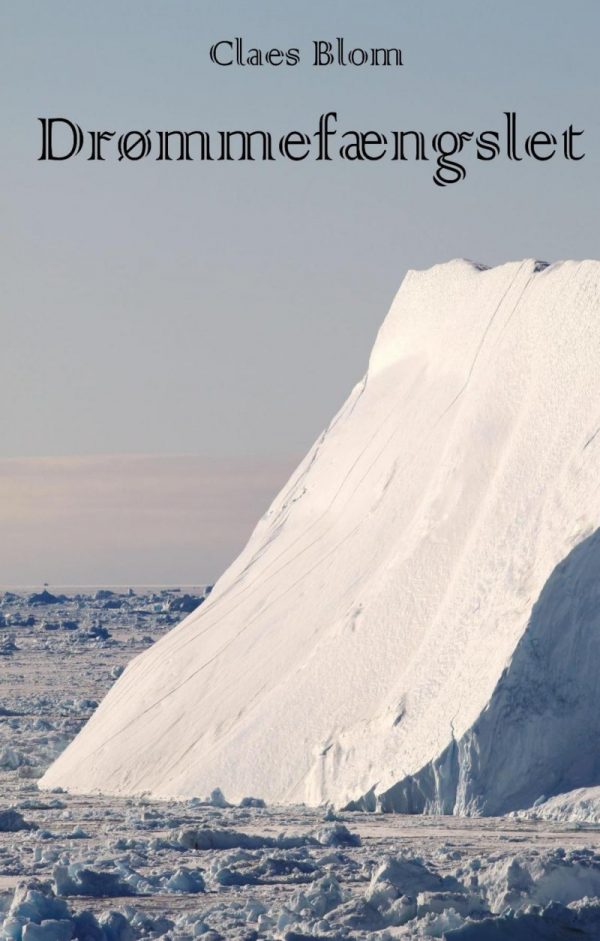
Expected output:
(414, 625)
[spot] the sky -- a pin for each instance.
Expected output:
(199, 316)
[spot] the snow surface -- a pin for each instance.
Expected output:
(414, 624)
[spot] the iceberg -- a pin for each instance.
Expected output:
(414, 625)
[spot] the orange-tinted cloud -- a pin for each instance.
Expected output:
(128, 519)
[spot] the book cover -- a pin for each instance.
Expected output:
(299, 496)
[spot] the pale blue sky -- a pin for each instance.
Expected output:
(224, 310)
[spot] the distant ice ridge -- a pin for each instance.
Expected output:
(581, 806)
(414, 625)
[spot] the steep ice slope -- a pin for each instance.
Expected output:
(415, 620)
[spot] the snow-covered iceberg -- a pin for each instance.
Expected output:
(415, 622)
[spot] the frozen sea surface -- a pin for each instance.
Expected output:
(203, 869)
